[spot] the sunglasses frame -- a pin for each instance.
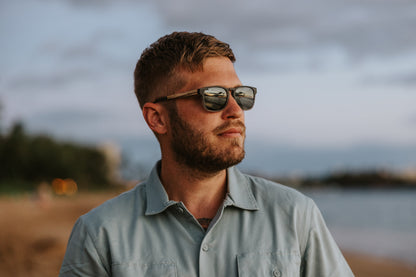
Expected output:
(200, 91)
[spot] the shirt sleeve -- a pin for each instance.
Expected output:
(81, 257)
(322, 256)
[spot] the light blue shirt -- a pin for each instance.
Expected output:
(262, 229)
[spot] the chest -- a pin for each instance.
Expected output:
(238, 243)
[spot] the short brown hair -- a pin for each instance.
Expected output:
(156, 72)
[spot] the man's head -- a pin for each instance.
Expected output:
(188, 131)
(159, 69)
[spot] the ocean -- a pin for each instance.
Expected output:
(376, 222)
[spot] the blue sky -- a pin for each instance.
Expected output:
(331, 74)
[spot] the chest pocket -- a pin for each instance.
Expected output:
(167, 268)
(275, 264)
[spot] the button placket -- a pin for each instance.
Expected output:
(206, 257)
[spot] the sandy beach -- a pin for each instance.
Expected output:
(34, 231)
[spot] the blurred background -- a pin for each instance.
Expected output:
(335, 114)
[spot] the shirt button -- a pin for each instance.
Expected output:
(276, 273)
(180, 210)
(205, 248)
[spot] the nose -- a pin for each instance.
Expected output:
(232, 110)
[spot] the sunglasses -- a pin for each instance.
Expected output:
(215, 98)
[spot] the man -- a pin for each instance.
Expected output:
(196, 214)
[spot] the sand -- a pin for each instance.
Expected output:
(34, 232)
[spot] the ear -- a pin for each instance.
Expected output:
(156, 117)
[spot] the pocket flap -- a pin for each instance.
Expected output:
(276, 264)
(165, 268)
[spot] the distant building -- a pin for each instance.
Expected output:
(112, 154)
(409, 174)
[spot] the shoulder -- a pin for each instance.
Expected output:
(89, 243)
(269, 189)
(272, 195)
(124, 207)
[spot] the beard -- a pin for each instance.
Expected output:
(192, 148)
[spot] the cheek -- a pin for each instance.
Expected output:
(203, 126)
(197, 117)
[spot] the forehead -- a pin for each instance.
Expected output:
(217, 71)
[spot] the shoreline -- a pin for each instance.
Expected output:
(364, 265)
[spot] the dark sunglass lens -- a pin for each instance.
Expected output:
(244, 97)
(215, 98)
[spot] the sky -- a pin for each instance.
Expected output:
(336, 79)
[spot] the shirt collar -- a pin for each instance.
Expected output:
(239, 192)
(156, 196)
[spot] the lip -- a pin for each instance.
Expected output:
(232, 132)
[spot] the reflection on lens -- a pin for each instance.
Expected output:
(244, 97)
(245, 103)
(217, 91)
(215, 98)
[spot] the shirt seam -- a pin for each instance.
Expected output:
(95, 247)
(145, 264)
(272, 253)
(306, 234)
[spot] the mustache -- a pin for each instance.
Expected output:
(230, 124)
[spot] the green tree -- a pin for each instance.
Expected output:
(31, 159)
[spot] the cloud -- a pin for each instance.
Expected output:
(363, 28)
(404, 79)
(63, 117)
(85, 123)
(36, 81)
(412, 120)
(81, 54)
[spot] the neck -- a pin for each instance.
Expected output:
(201, 192)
